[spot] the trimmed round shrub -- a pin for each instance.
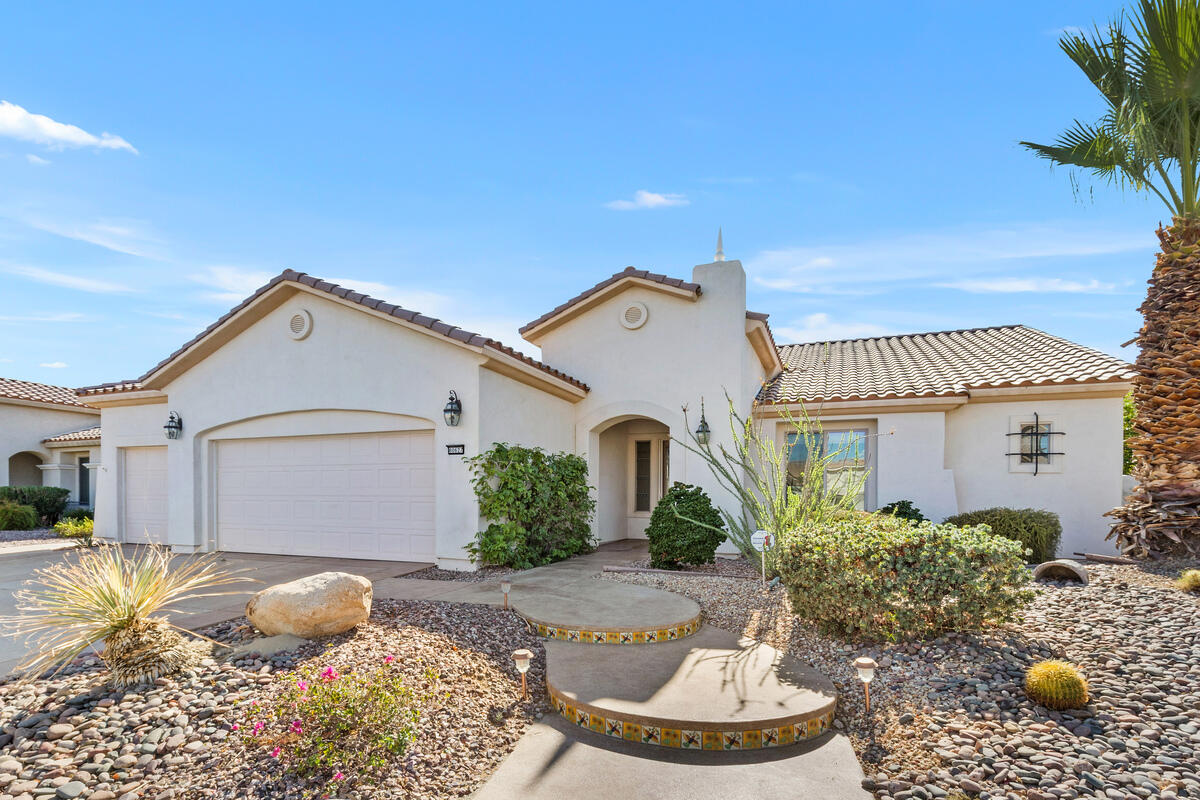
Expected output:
(48, 501)
(1039, 531)
(676, 538)
(904, 509)
(78, 514)
(881, 578)
(1057, 685)
(1189, 581)
(17, 518)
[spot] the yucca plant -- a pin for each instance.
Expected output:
(104, 596)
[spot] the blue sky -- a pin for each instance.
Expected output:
(483, 164)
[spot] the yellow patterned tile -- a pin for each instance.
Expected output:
(597, 723)
(671, 737)
(814, 727)
(751, 740)
(632, 732)
(786, 735)
(586, 637)
(639, 637)
(713, 740)
(569, 712)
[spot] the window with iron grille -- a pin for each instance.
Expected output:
(1036, 444)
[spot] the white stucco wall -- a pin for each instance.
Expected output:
(1088, 484)
(22, 429)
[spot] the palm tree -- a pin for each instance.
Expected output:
(1146, 65)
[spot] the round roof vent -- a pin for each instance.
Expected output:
(300, 325)
(634, 316)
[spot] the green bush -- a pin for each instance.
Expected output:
(81, 529)
(17, 518)
(883, 578)
(538, 506)
(79, 513)
(1038, 530)
(675, 538)
(904, 509)
(48, 501)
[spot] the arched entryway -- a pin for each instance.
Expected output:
(633, 472)
(23, 469)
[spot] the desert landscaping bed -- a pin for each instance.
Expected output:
(951, 714)
(15, 538)
(184, 737)
(481, 575)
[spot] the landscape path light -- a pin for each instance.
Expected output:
(866, 673)
(506, 587)
(521, 659)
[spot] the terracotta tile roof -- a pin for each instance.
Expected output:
(84, 435)
(937, 364)
(628, 272)
(40, 393)
(436, 325)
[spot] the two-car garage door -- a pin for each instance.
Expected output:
(366, 495)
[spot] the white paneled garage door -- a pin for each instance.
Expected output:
(144, 500)
(367, 495)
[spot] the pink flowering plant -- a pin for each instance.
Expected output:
(332, 724)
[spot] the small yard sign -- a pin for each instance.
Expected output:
(762, 541)
(456, 449)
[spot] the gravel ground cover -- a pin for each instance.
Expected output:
(728, 567)
(950, 714)
(10, 538)
(478, 576)
(72, 736)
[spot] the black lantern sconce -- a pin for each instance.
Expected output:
(702, 430)
(174, 426)
(453, 410)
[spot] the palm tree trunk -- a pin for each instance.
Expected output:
(1163, 514)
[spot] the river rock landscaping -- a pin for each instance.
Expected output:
(72, 736)
(950, 715)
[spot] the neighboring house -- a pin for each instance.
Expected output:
(311, 416)
(48, 436)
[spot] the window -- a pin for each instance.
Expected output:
(1035, 442)
(1034, 446)
(85, 485)
(845, 472)
(641, 481)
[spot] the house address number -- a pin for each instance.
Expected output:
(456, 449)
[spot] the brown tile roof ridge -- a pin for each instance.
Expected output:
(81, 435)
(628, 272)
(359, 298)
(14, 389)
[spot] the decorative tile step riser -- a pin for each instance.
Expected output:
(684, 739)
(651, 636)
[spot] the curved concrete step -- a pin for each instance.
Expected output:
(603, 612)
(711, 691)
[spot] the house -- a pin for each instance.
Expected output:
(313, 419)
(48, 437)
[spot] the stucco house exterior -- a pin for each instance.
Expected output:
(48, 437)
(311, 416)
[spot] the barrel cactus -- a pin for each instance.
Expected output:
(1189, 581)
(1056, 684)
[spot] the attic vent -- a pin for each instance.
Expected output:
(300, 324)
(634, 315)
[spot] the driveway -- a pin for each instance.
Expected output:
(16, 567)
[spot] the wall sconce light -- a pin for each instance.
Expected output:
(521, 659)
(506, 587)
(702, 430)
(174, 426)
(866, 674)
(453, 410)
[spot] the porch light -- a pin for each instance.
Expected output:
(506, 587)
(174, 425)
(453, 410)
(866, 674)
(521, 659)
(702, 430)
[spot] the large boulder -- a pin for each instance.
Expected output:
(319, 605)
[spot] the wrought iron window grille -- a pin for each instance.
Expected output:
(1032, 446)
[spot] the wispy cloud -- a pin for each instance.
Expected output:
(54, 364)
(36, 160)
(231, 284)
(17, 123)
(60, 316)
(643, 199)
(130, 237)
(821, 327)
(1015, 284)
(66, 280)
(948, 254)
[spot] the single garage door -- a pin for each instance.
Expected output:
(366, 495)
(144, 498)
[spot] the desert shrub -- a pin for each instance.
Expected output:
(1038, 531)
(675, 537)
(904, 509)
(103, 595)
(48, 501)
(81, 529)
(351, 727)
(1056, 684)
(1189, 581)
(17, 518)
(883, 578)
(538, 506)
(78, 513)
